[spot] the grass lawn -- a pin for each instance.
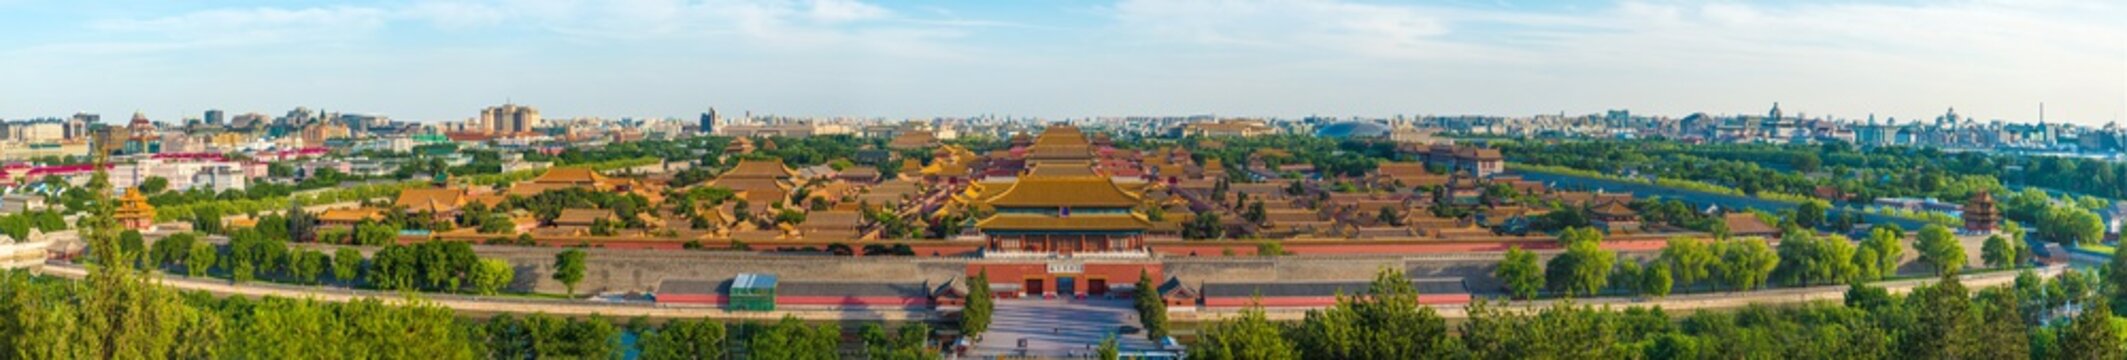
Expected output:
(2098, 248)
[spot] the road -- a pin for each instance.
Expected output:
(490, 305)
(1691, 302)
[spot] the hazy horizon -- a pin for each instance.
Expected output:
(444, 60)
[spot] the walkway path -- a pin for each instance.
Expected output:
(489, 305)
(1059, 328)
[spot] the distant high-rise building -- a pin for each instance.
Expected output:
(140, 136)
(709, 122)
(78, 126)
(298, 116)
(509, 119)
(215, 117)
(249, 120)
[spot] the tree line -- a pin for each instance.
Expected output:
(115, 315)
(2037, 319)
(1803, 258)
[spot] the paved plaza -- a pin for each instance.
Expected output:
(1059, 328)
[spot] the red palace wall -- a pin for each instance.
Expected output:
(1113, 273)
(919, 247)
(866, 301)
(847, 301)
(1209, 249)
(697, 299)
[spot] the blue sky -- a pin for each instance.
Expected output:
(443, 60)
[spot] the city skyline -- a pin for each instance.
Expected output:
(443, 61)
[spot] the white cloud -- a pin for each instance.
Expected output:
(845, 10)
(1266, 57)
(777, 25)
(1306, 25)
(454, 14)
(253, 25)
(765, 24)
(1999, 58)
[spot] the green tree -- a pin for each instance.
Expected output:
(1250, 336)
(375, 234)
(123, 316)
(1884, 243)
(2016, 234)
(790, 216)
(1577, 234)
(2093, 335)
(154, 185)
(906, 343)
(1808, 260)
(1151, 307)
(1946, 323)
(2071, 226)
(1389, 216)
(2001, 332)
(1807, 162)
(2077, 286)
(1690, 260)
(601, 227)
(1939, 247)
(975, 315)
(491, 275)
(241, 270)
(1865, 262)
(793, 339)
(1997, 252)
(301, 225)
(1626, 277)
(1204, 226)
(1584, 268)
(1745, 264)
(685, 339)
(1385, 323)
(201, 259)
(131, 242)
(569, 268)
(590, 338)
(1108, 350)
(207, 220)
(1811, 214)
(346, 263)
(497, 224)
(2115, 279)
(1863, 296)
(1522, 275)
(306, 266)
(1560, 331)
(171, 250)
(1655, 281)
(1270, 248)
